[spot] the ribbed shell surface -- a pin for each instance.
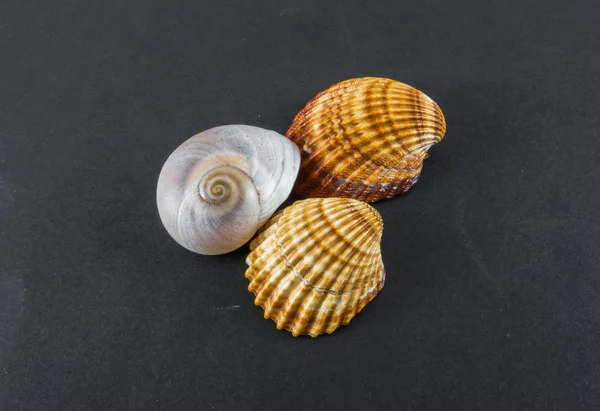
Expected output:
(365, 138)
(316, 264)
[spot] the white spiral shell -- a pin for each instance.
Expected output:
(220, 186)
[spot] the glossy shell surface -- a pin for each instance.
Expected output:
(365, 138)
(316, 264)
(220, 186)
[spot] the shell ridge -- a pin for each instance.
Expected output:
(267, 291)
(370, 257)
(313, 319)
(363, 298)
(332, 173)
(295, 272)
(353, 224)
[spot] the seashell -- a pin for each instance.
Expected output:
(316, 264)
(220, 186)
(364, 138)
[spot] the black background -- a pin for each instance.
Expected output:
(492, 293)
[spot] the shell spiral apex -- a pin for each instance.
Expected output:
(365, 138)
(220, 186)
(316, 264)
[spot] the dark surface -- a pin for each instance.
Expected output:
(492, 299)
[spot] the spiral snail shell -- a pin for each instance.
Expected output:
(220, 186)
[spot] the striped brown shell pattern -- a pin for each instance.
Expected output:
(365, 138)
(316, 264)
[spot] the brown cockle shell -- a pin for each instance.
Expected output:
(316, 264)
(364, 138)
